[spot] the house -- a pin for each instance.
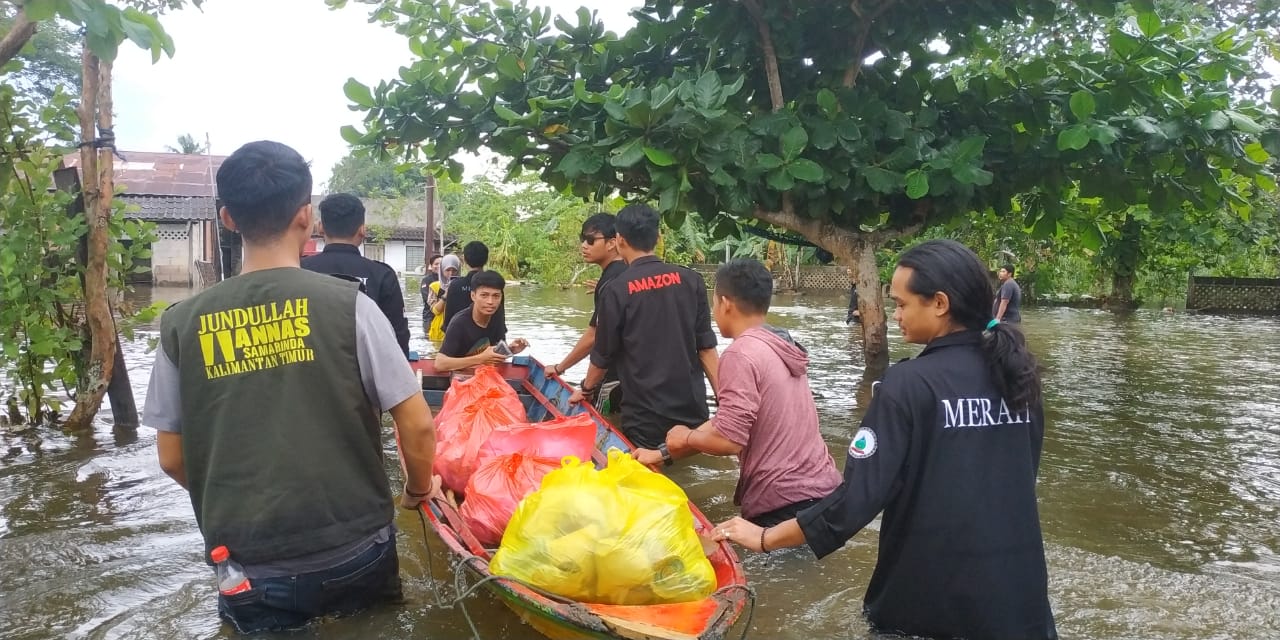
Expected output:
(176, 193)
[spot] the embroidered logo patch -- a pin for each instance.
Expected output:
(864, 443)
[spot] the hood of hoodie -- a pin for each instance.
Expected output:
(792, 354)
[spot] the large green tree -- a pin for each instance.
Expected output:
(372, 176)
(851, 123)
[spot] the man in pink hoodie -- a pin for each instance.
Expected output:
(766, 414)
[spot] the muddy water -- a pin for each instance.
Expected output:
(1160, 495)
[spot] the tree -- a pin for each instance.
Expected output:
(51, 59)
(853, 124)
(369, 176)
(187, 146)
(38, 328)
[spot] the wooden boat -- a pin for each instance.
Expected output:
(558, 618)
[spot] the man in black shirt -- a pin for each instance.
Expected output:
(654, 326)
(342, 223)
(473, 335)
(458, 296)
(599, 247)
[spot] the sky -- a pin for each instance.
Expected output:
(246, 70)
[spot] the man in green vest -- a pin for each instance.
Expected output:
(266, 394)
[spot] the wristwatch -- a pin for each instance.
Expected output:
(666, 455)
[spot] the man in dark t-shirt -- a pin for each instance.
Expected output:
(473, 335)
(654, 325)
(1008, 304)
(458, 296)
(599, 247)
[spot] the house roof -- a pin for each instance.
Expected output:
(162, 174)
(168, 208)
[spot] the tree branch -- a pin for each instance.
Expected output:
(19, 34)
(860, 40)
(771, 73)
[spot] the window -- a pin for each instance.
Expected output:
(414, 258)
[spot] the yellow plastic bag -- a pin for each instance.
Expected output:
(623, 535)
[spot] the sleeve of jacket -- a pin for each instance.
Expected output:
(609, 328)
(870, 479)
(392, 304)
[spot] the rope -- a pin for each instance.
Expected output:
(751, 605)
(426, 541)
(106, 140)
(785, 238)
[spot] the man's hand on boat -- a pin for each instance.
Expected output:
(651, 458)
(739, 531)
(518, 345)
(491, 356)
(411, 500)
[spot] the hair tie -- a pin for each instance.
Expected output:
(991, 325)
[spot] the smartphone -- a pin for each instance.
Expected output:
(502, 349)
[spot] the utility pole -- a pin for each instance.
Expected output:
(428, 234)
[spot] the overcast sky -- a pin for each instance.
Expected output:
(248, 70)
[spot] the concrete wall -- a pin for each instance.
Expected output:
(171, 257)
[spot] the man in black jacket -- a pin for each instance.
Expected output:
(342, 223)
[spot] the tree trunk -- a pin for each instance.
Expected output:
(875, 330)
(97, 168)
(1128, 253)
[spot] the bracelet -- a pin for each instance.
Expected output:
(762, 532)
(688, 437)
(415, 495)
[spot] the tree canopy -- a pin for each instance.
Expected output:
(849, 123)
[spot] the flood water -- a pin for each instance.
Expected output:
(1159, 493)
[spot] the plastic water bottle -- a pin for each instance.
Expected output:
(231, 578)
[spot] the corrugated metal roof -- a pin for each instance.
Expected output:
(162, 174)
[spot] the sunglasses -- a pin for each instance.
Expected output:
(592, 239)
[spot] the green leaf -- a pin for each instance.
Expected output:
(807, 170)
(793, 142)
(970, 148)
(827, 100)
(1244, 123)
(659, 157)
(350, 135)
(972, 174)
(1149, 23)
(824, 136)
(505, 112)
(882, 180)
(1074, 137)
(509, 66)
(781, 180)
(1265, 181)
(1091, 237)
(1082, 104)
(38, 10)
(628, 154)
(1275, 98)
(616, 110)
(917, 184)
(580, 161)
(1123, 44)
(1256, 153)
(358, 93)
(1215, 121)
(768, 161)
(848, 130)
(707, 90)
(1104, 134)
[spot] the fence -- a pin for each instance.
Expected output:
(1234, 295)
(829, 278)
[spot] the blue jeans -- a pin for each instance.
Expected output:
(289, 602)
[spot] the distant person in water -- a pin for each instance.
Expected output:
(766, 415)
(450, 266)
(474, 336)
(424, 289)
(948, 452)
(853, 314)
(1008, 304)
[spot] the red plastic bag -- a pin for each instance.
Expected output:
(486, 385)
(496, 488)
(458, 446)
(554, 439)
